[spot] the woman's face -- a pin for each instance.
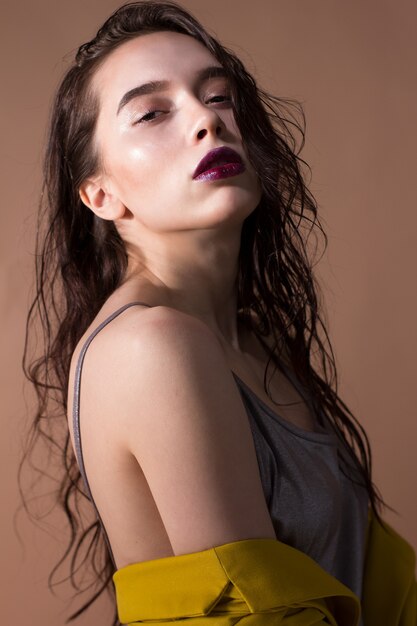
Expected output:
(149, 159)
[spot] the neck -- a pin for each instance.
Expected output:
(194, 275)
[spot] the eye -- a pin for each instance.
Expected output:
(148, 115)
(225, 97)
(146, 118)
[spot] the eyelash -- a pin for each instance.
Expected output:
(142, 120)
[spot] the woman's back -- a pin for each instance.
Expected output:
(166, 442)
(274, 479)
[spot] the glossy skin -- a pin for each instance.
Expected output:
(182, 235)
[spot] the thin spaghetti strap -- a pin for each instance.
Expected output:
(76, 410)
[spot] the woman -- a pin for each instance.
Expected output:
(175, 260)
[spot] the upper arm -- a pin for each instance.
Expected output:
(174, 404)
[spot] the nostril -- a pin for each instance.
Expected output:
(201, 133)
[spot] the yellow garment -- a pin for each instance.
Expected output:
(264, 582)
(389, 590)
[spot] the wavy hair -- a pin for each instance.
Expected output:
(81, 260)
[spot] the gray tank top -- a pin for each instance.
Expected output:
(314, 507)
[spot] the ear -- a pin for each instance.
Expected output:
(101, 200)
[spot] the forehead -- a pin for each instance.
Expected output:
(153, 56)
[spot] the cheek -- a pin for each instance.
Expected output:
(145, 177)
(131, 166)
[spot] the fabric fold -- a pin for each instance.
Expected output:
(264, 582)
(176, 586)
(237, 580)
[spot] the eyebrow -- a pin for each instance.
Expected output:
(213, 71)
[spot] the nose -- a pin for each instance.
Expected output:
(207, 122)
(214, 129)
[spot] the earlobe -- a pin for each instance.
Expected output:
(103, 203)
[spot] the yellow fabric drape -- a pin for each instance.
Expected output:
(389, 591)
(264, 582)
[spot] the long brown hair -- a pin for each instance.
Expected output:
(81, 260)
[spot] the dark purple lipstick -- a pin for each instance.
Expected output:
(219, 163)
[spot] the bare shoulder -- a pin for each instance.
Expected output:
(135, 327)
(157, 325)
(161, 388)
(156, 354)
(141, 343)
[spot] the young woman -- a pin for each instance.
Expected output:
(172, 273)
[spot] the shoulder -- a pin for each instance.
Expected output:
(137, 326)
(158, 388)
(146, 351)
(145, 363)
(150, 334)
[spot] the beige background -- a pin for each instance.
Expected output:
(352, 65)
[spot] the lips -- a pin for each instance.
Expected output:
(216, 157)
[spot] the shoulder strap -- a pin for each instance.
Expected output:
(76, 409)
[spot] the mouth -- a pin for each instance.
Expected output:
(217, 157)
